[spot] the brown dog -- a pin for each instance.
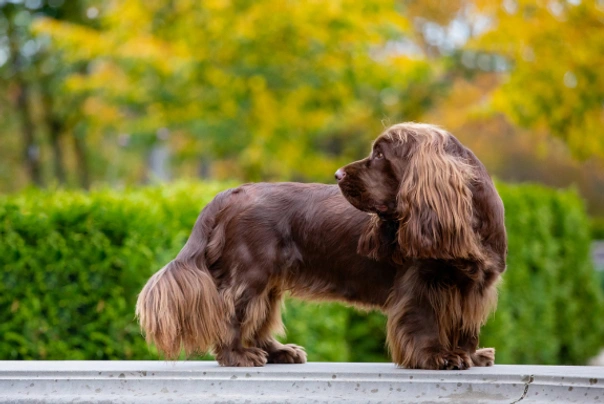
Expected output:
(417, 231)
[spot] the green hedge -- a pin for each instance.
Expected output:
(550, 304)
(597, 228)
(72, 264)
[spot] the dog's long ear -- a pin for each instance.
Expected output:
(435, 202)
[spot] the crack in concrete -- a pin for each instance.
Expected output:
(527, 383)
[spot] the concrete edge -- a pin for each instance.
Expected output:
(195, 381)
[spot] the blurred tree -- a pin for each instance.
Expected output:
(33, 76)
(273, 90)
(14, 22)
(555, 53)
(486, 84)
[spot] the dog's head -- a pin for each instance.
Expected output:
(419, 177)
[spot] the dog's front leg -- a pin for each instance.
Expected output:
(423, 332)
(414, 343)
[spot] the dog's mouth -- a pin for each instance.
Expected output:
(381, 208)
(349, 191)
(354, 197)
(362, 201)
(384, 211)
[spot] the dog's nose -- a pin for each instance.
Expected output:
(340, 174)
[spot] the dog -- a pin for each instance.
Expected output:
(415, 230)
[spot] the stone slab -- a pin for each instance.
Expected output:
(206, 382)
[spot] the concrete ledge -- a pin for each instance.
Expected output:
(197, 381)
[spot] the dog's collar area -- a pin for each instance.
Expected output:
(386, 218)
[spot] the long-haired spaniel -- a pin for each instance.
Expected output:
(415, 230)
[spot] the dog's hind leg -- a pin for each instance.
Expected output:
(242, 304)
(247, 308)
(273, 325)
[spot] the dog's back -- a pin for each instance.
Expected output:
(299, 237)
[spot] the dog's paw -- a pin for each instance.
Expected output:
(288, 353)
(484, 357)
(448, 360)
(244, 357)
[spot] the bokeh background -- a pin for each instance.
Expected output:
(101, 101)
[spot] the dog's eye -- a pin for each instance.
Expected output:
(378, 156)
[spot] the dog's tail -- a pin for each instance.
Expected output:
(180, 307)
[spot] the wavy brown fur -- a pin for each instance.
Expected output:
(415, 230)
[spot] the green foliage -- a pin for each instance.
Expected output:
(271, 89)
(597, 228)
(554, 81)
(72, 264)
(550, 302)
(320, 328)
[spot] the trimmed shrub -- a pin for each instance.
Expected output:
(550, 303)
(597, 228)
(524, 330)
(72, 264)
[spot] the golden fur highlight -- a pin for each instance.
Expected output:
(179, 308)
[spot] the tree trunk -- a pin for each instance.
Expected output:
(31, 151)
(55, 134)
(79, 146)
(57, 152)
